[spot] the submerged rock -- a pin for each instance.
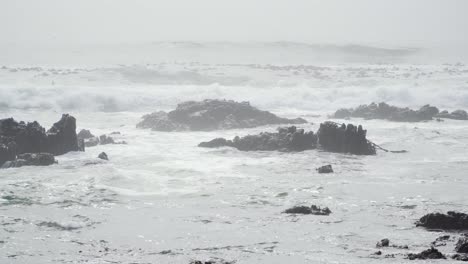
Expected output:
(314, 210)
(344, 139)
(103, 156)
(325, 169)
(431, 253)
(287, 139)
(389, 112)
(30, 159)
(450, 221)
(91, 141)
(210, 115)
(85, 134)
(20, 137)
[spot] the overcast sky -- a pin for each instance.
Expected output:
(377, 22)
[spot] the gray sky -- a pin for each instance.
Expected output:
(377, 22)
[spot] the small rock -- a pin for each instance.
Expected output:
(325, 169)
(383, 243)
(314, 210)
(103, 156)
(85, 134)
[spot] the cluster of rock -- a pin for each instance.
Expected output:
(18, 138)
(30, 159)
(210, 115)
(90, 140)
(394, 113)
(330, 137)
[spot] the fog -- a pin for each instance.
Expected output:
(421, 23)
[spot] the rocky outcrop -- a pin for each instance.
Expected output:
(30, 159)
(325, 169)
(344, 139)
(431, 253)
(314, 210)
(210, 115)
(389, 112)
(450, 221)
(457, 114)
(287, 139)
(20, 137)
(330, 137)
(399, 114)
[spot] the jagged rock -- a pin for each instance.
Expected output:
(85, 134)
(61, 137)
(19, 138)
(457, 114)
(30, 159)
(383, 243)
(103, 156)
(450, 221)
(314, 210)
(385, 111)
(325, 169)
(287, 139)
(101, 140)
(462, 245)
(431, 253)
(344, 139)
(441, 241)
(210, 115)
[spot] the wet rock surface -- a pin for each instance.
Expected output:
(287, 139)
(383, 243)
(450, 221)
(325, 169)
(344, 139)
(20, 137)
(431, 253)
(307, 210)
(30, 159)
(208, 115)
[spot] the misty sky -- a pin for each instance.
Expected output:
(377, 22)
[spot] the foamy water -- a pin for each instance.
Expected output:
(161, 199)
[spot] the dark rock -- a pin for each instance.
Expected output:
(103, 156)
(431, 253)
(19, 138)
(344, 139)
(449, 221)
(210, 115)
(460, 257)
(287, 139)
(31, 159)
(383, 243)
(462, 245)
(385, 111)
(314, 210)
(325, 169)
(85, 134)
(61, 137)
(457, 114)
